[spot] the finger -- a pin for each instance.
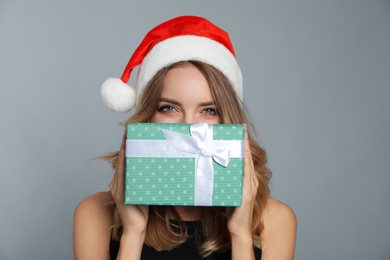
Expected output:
(120, 171)
(255, 183)
(120, 163)
(246, 138)
(119, 168)
(247, 150)
(123, 145)
(247, 176)
(247, 147)
(113, 180)
(113, 183)
(249, 165)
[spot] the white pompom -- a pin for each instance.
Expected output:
(117, 95)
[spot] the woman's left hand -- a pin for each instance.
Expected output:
(240, 222)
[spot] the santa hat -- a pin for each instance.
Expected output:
(180, 39)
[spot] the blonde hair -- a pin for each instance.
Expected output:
(160, 233)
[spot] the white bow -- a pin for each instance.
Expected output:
(200, 143)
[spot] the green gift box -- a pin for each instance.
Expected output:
(184, 165)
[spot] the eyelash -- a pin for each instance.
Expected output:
(166, 108)
(208, 110)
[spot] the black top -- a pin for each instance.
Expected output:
(187, 250)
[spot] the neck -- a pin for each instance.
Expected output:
(189, 213)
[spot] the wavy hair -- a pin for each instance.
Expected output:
(160, 233)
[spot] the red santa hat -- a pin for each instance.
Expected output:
(179, 39)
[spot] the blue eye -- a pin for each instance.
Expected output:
(166, 108)
(210, 111)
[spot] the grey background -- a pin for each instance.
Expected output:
(317, 84)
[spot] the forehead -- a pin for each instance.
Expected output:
(186, 82)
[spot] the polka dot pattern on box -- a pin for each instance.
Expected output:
(160, 181)
(143, 131)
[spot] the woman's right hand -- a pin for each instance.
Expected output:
(134, 218)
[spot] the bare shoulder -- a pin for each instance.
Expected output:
(280, 227)
(92, 222)
(99, 205)
(277, 211)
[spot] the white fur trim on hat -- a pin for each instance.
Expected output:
(117, 95)
(183, 48)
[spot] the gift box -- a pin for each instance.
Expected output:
(184, 165)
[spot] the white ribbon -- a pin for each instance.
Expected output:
(199, 145)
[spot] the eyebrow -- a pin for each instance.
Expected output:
(203, 104)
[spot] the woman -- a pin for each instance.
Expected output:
(188, 74)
